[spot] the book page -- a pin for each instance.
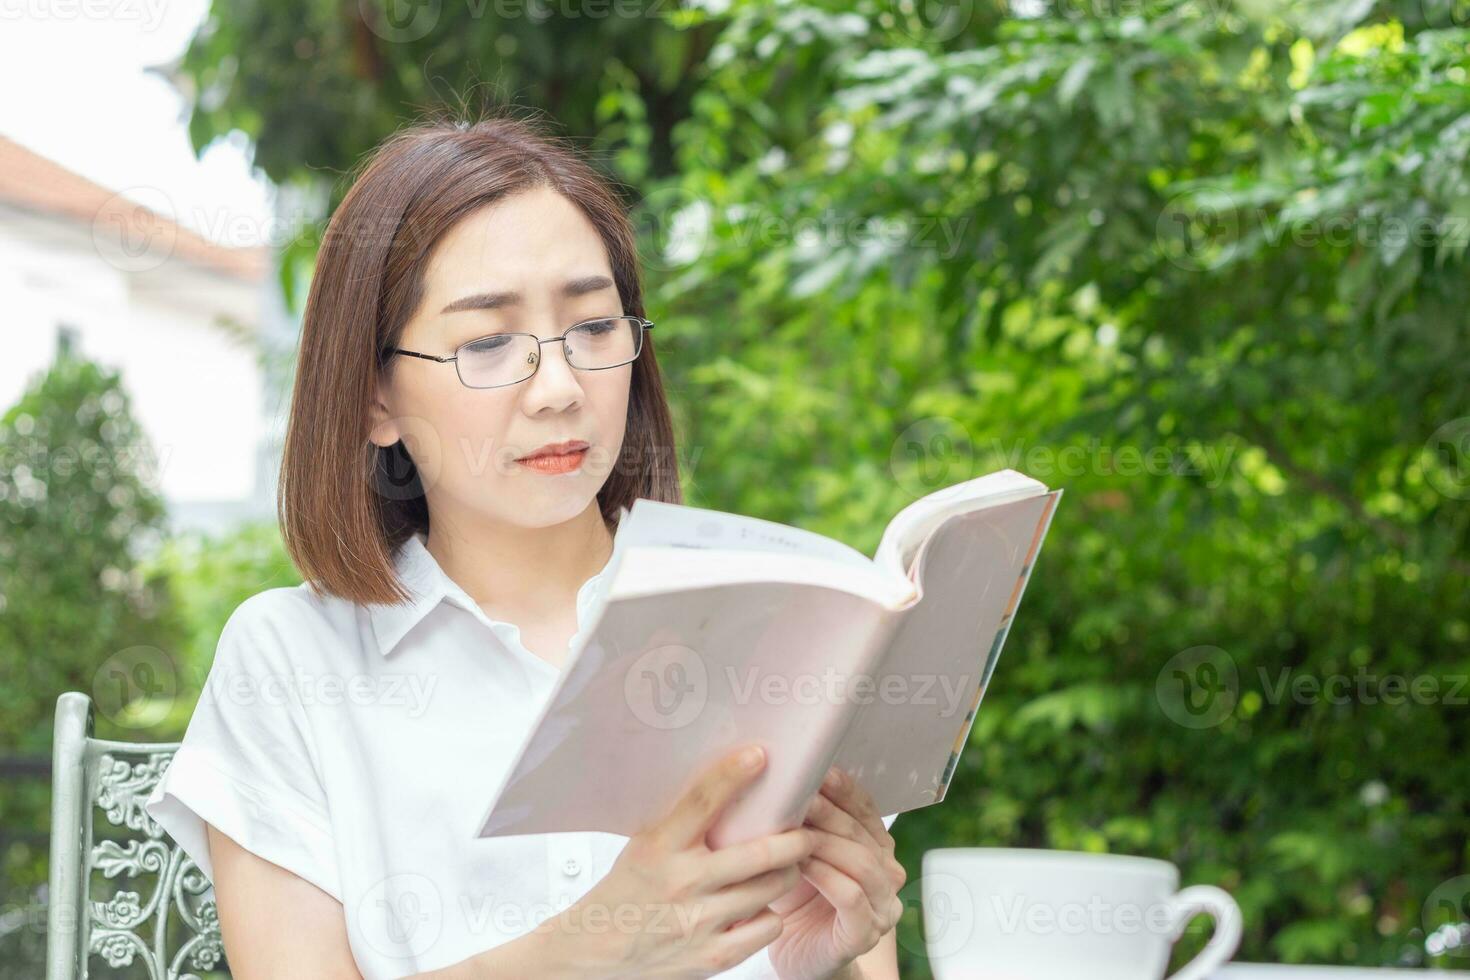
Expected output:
(904, 743)
(665, 684)
(912, 526)
(654, 522)
(668, 569)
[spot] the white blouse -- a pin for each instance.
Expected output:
(356, 746)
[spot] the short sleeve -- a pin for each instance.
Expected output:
(247, 763)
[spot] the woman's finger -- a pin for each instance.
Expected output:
(850, 902)
(862, 864)
(826, 813)
(850, 796)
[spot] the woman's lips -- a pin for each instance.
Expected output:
(562, 463)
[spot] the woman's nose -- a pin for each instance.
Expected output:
(553, 369)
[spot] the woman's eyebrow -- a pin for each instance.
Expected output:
(571, 289)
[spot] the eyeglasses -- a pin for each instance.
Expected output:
(509, 358)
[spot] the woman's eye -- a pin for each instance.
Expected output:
(488, 343)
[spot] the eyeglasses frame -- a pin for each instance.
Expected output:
(645, 324)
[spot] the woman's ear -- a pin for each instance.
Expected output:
(384, 432)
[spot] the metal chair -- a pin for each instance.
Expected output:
(101, 870)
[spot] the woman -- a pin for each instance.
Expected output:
(476, 398)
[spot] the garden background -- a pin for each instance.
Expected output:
(1201, 263)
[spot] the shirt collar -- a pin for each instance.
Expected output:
(428, 585)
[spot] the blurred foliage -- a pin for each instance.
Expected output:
(77, 611)
(78, 506)
(95, 598)
(316, 84)
(1152, 259)
(1204, 265)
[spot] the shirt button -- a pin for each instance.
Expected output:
(572, 867)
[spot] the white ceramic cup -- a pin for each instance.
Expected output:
(1017, 914)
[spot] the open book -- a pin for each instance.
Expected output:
(716, 629)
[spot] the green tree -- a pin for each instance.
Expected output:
(1203, 267)
(78, 506)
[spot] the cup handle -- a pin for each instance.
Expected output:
(1217, 903)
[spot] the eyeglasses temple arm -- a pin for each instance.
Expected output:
(427, 357)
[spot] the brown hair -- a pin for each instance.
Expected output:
(345, 504)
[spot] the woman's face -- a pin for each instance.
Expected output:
(541, 267)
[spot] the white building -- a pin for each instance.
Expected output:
(181, 318)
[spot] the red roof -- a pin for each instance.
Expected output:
(30, 181)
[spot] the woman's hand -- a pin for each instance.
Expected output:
(673, 909)
(848, 898)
